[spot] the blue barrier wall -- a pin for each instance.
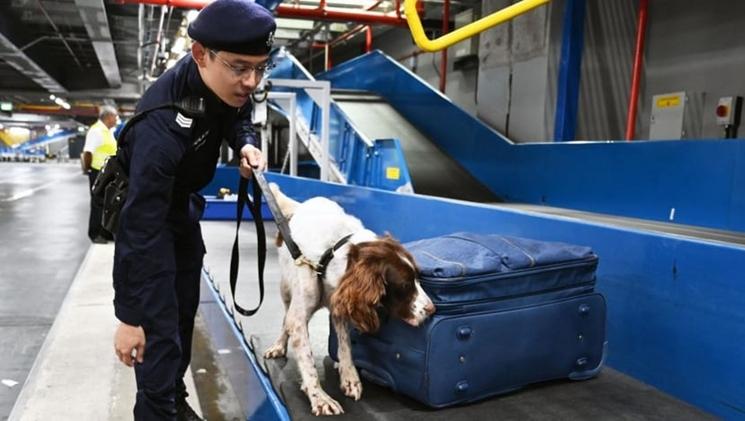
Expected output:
(676, 318)
(703, 181)
(355, 158)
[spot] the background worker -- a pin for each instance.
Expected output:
(99, 145)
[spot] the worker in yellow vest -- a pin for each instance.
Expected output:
(99, 145)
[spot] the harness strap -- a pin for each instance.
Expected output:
(323, 263)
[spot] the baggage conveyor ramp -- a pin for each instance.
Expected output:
(432, 171)
(611, 395)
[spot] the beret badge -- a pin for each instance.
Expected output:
(270, 39)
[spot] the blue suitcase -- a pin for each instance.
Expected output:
(510, 312)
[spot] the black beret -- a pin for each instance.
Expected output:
(236, 26)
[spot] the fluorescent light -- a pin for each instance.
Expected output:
(191, 15)
(178, 45)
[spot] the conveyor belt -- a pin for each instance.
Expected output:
(611, 396)
(704, 234)
(436, 174)
(432, 171)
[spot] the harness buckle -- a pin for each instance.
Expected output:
(302, 260)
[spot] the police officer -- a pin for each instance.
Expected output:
(170, 155)
(99, 145)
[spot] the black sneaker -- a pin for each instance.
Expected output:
(99, 240)
(184, 412)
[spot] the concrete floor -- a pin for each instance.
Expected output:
(56, 317)
(43, 226)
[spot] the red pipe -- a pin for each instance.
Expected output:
(641, 28)
(444, 60)
(368, 39)
(343, 15)
(295, 11)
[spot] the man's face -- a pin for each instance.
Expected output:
(232, 77)
(110, 120)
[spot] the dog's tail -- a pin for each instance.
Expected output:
(286, 205)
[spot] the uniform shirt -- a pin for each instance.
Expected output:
(93, 140)
(169, 156)
(100, 143)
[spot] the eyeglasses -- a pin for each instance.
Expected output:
(245, 71)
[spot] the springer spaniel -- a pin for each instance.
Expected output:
(366, 273)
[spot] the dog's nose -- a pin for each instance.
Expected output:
(429, 308)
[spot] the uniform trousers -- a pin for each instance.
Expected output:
(170, 313)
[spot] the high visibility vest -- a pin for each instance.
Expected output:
(106, 148)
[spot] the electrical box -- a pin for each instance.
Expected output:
(466, 52)
(676, 115)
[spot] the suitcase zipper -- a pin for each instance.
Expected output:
(461, 306)
(453, 282)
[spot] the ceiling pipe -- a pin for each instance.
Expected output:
(368, 38)
(295, 11)
(59, 34)
(158, 40)
(339, 15)
(184, 4)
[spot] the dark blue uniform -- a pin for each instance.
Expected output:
(159, 247)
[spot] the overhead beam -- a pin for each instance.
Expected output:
(93, 14)
(17, 59)
(126, 92)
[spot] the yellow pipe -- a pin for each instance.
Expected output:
(473, 28)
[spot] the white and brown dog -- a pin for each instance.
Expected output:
(366, 273)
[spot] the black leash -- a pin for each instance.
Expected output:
(255, 208)
(279, 218)
(260, 184)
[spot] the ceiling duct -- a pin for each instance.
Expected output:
(26, 66)
(93, 14)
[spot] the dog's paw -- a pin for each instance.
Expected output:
(349, 380)
(323, 404)
(275, 351)
(351, 386)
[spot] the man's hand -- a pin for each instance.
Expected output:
(251, 157)
(85, 162)
(129, 344)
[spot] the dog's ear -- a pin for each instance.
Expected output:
(359, 293)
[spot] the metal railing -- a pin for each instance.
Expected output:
(473, 28)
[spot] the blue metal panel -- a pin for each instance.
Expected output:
(353, 156)
(704, 181)
(264, 403)
(224, 210)
(676, 318)
(570, 65)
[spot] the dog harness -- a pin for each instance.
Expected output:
(326, 257)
